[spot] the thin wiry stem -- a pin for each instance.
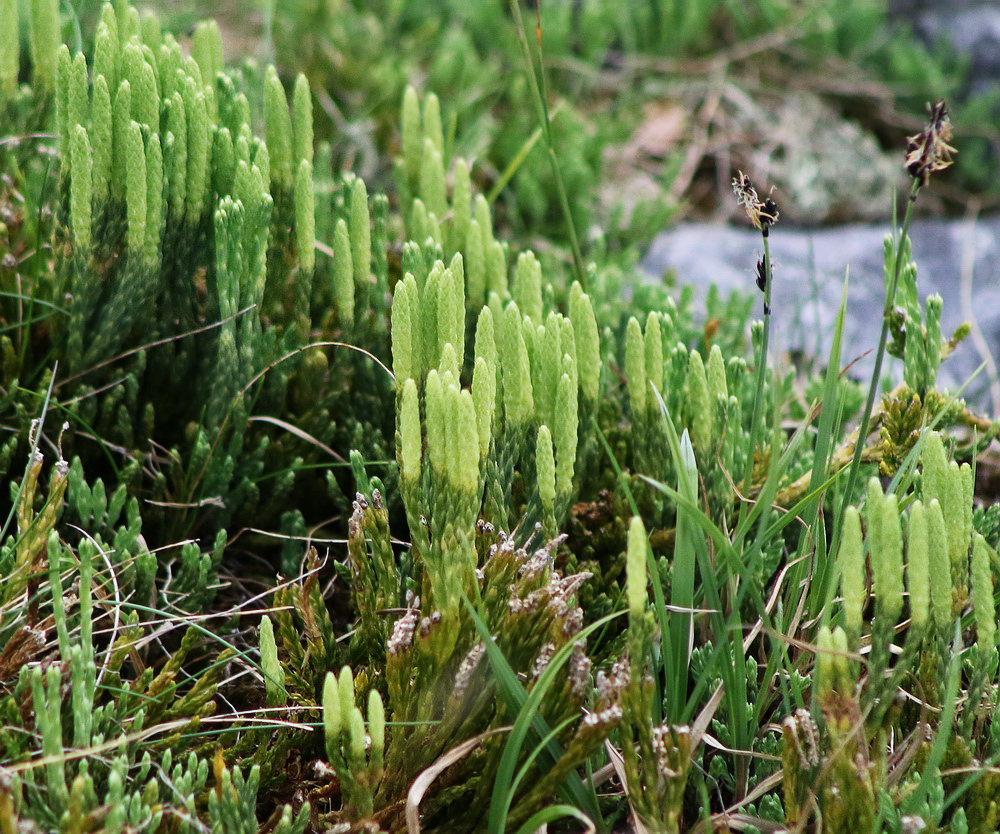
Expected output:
(763, 213)
(890, 300)
(537, 81)
(758, 400)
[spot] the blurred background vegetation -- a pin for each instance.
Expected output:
(654, 104)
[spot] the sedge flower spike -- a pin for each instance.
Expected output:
(928, 151)
(763, 213)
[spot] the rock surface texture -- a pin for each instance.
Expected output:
(972, 27)
(958, 260)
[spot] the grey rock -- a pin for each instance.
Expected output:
(972, 27)
(960, 261)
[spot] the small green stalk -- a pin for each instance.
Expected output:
(763, 213)
(758, 399)
(537, 80)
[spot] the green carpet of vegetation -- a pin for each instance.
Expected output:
(358, 484)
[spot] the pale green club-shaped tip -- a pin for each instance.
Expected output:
(419, 224)
(154, 197)
(717, 373)
(496, 267)
(63, 63)
(852, 571)
(982, 594)
(406, 324)
(331, 709)
(841, 668)
(305, 216)
(588, 342)
(484, 217)
(567, 341)
(939, 565)
(361, 231)
(519, 404)
(935, 464)
(432, 122)
(635, 567)
(873, 497)
(451, 310)
(135, 187)
(449, 363)
(413, 141)
(146, 98)
(825, 675)
(699, 403)
(464, 448)
(968, 480)
(887, 556)
(101, 130)
(278, 128)
(358, 739)
(409, 429)
(343, 288)
(567, 422)
(199, 146)
(918, 564)
(168, 65)
(81, 188)
(436, 420)
(432, 184)
(545, 466)
(206, 48)
(635, 367)
(527, 290)
(475, 264)
(302, 119)
(484, 394)
(457, 268)
(77, 96)
(345, 685)
(376, 723)
(958, 521)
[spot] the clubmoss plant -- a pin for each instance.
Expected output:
(656, 757)
(857, 713)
